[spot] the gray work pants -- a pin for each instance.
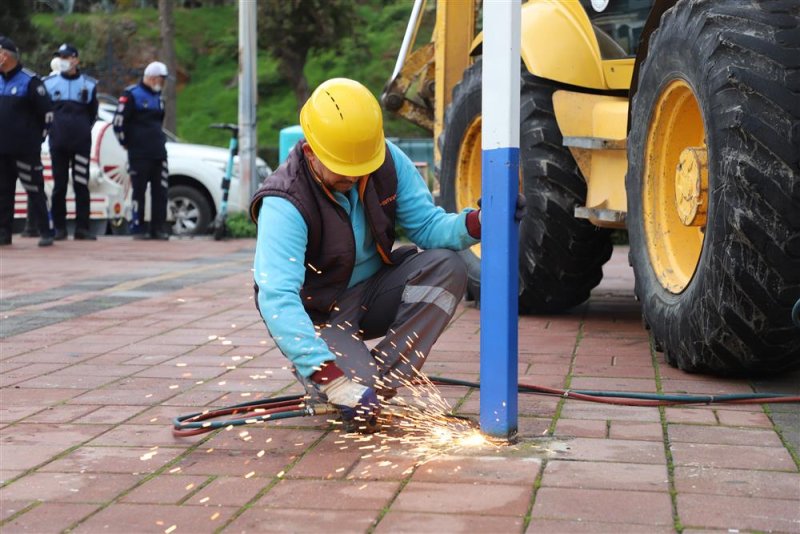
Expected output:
(409, 305)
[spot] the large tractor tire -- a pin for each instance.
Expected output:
(560, 257)
(714, 186)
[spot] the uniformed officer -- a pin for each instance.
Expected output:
(138, 124)
(75, 105)
(25, 116)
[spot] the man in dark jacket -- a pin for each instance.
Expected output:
(25, 115)
(138, 125)
(75, 105)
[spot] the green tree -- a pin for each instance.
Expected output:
(290, 29)
(15, 23)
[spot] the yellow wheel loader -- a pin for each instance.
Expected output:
(676, 119)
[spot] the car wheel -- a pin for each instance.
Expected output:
(189, 210)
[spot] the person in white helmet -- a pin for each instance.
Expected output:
(138, 125)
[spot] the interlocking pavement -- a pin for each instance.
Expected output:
(104, 343)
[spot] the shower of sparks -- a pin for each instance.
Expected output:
(428, 428)
(418, 425)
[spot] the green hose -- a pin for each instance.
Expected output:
(679, 398)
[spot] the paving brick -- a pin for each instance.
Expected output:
(605, 475)
(282, 520)
(723, 435)
(36, 399)
(739, 513)
(699, 415)
(592, 527)
(60, 435)
(234, 463)
(149, 518)
(20, 372)
(49, 517)
(614, 450)
(589, 505)
(269, 438)
(738, 482)
(733, 456)
(503, 499)
(229, 491)
(636, 430)
(647, 385)
(329, 495)
(9, 474)
(480, 470)
(23, 457)
(122, 460)
(62, 413)
(68, 487)
(109, 414)
(10, 507)
(165, 489)
(420, 522)
(55, 380)
(581, 428)
(574, 409)
(591, 368)
(738, 418)
(130, 397)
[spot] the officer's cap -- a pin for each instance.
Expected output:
(67, 50)
(7, 44)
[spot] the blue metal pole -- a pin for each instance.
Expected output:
(500, 235)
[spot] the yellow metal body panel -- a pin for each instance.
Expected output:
(558, 43)
(674, 247)
(453, 34)
(618, 73)
(595, 129)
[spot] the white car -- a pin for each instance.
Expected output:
(195, 181)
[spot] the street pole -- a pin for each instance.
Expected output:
(500, 235)
(247, 101)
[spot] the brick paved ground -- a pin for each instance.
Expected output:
(103, 343)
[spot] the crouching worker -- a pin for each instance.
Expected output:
(326, 271)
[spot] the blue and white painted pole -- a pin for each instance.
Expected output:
(500, 235)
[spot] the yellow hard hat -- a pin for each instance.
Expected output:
(343, 123)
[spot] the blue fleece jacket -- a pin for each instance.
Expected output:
(279, 264)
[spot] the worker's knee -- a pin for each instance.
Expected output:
(449, 270)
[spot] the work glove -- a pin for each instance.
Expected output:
(358, 404)
(474, 217)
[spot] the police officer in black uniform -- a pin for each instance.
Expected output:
(25, 115)
(138, 124)
(75, 105)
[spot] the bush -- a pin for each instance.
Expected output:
(240, 225)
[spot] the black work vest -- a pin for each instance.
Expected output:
(331, 250)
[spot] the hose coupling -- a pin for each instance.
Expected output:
(320, 409)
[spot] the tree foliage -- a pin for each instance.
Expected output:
(15, 23)
(291, 29)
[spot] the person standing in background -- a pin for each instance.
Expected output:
(74, 97)
(25, 116)
(138, 123)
